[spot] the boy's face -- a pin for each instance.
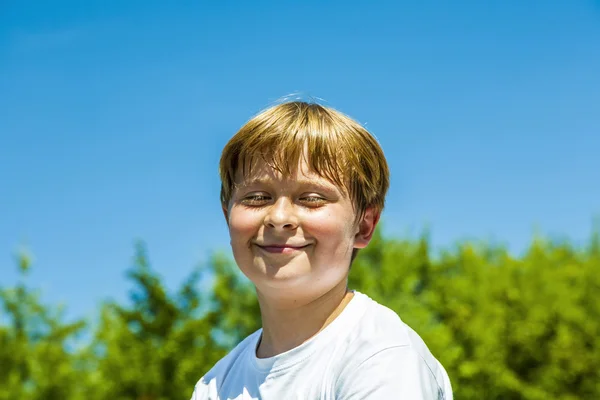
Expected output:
(295, 234)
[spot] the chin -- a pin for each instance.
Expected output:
(288, 272)
(285, 276)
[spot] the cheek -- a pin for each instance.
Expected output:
(243, 224)
(332, 230)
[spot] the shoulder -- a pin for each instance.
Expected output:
(385, 358)
(395, 372)
(211, 382)
(379, 328)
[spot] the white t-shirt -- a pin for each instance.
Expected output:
(367, 352)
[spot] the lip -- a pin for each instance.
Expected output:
(281, 249)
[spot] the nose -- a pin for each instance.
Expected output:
(282, 215)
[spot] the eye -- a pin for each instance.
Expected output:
(255, 200)
(313, 201)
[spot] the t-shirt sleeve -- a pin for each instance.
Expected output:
(200, 392)
(195, 395)
(394, 373)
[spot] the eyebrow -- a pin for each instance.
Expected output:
(299, 182)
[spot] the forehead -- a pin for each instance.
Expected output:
(261, 172)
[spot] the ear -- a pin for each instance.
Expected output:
(366, 228)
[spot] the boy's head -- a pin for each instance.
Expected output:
(301, 178)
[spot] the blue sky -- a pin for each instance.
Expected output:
(113, 115)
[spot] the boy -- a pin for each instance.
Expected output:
(302, 190)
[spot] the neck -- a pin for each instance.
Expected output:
(289, 322)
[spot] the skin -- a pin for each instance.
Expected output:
(293, 238)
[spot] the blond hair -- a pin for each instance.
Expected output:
(335, 147)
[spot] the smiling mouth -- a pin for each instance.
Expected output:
(282, 249)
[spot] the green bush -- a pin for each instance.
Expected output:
(504, 327)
